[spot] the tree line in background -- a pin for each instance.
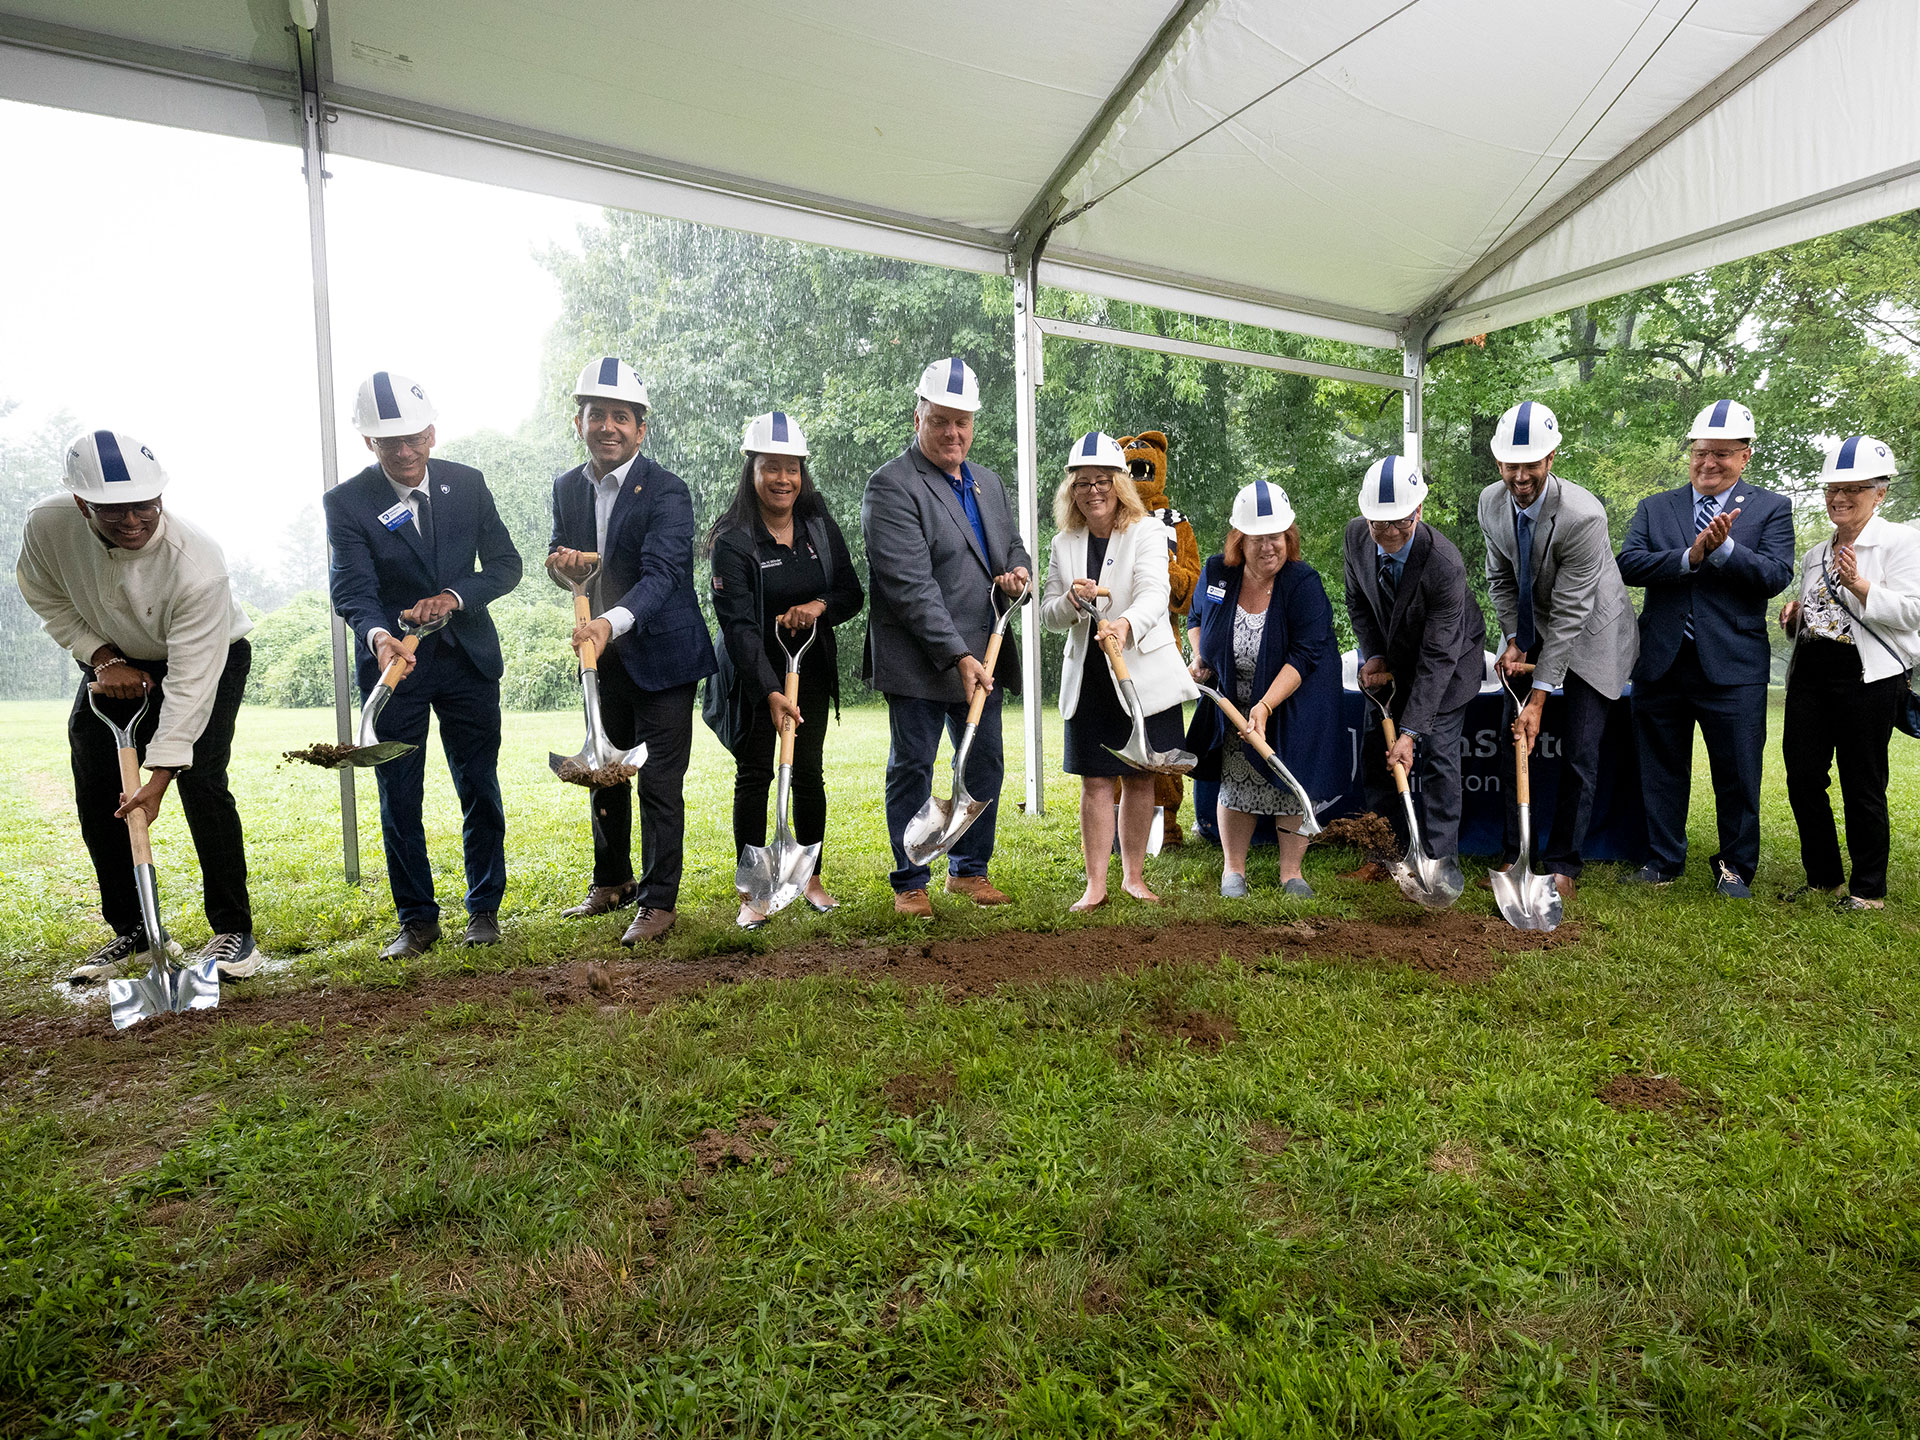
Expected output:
(1822, 339)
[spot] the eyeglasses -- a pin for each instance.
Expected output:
(114, 514)
(390, 443)
(1717, 453)
(1083, 486)
(1396, 526)
(1851, 489)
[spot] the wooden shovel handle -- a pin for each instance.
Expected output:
(1112, 647)
(980, 696)
(583, 612)
(786, 725)
(1399, 770)
(136, 819)
(390, 676)
(1522, 781)
(1244, 726)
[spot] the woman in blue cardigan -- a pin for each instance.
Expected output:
(1266, 628)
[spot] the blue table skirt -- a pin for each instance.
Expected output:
(1619, 827)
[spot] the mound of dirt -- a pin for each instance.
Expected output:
(1368, 833)
(910, 1094)
(717, 1149)
(1643, 1092)
(1449, 944)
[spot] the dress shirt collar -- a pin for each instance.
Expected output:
(407, 492)
(613, 477)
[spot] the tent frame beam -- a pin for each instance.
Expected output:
(1670, 126)
(1224, 354)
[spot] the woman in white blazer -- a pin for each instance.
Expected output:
(1856, 629)
(1106, 540)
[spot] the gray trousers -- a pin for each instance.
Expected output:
(1436, 781)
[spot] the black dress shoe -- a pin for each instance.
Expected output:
(483, 928)
(412, 940)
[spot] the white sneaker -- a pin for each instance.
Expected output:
(234, 957)
(108, 961)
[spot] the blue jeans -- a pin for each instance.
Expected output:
(915, 727)
(446, 683)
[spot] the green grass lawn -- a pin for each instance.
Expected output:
(1388, 1204)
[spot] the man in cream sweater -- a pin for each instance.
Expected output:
(142, 601)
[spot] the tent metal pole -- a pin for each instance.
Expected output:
(1413, 400)
(1026, 381)
(312, 112)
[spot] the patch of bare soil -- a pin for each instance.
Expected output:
(717, 1149)
(910, 1094)
(1643, 1092)
(1448, 943)
(1267, 1138)
(1455, 1157)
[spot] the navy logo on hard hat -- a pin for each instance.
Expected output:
(149, 454)
(418, 393)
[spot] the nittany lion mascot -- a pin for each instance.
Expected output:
(1147, 459)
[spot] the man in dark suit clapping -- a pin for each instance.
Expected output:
(647, 621)
(1414, 619)
(417, 540)
(1710, 554)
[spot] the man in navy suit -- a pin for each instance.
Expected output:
(1710, 554)
(646, 617)
(416, 540)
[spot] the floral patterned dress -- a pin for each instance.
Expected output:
(1246, 784)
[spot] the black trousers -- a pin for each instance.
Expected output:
(1435, 780)
(213, 820)
(1733, 718)
(1834, 715)
(663, 719)
(1583, 719)
(757, 758)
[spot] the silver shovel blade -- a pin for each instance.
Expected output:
(939, 826)
(792, 866)
(754, 877)
(1156, 762)
(163, 989)
(1427, 881)
(1526, 900)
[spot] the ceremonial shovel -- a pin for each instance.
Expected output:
(1135, 752)
(1309, 823)
(938, 825)
(599, 763)
(1529, 901)
(771, 877)
(370, 749)
(1435, 882)
(165, 987)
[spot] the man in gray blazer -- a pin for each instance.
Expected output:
(1413, 619)
(1563, 608)
(940, 537)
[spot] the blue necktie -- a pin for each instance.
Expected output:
(1703, 514)
(1523, 542)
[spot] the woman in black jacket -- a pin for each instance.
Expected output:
(778, 560)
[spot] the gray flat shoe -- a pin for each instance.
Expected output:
(1299, 889)
(1233, 885)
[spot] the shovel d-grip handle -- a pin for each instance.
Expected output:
(390, 676)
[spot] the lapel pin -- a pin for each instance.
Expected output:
(446, 489)
(1739, 499)
(636, 489)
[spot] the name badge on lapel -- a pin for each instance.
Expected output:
(1216, 592)
(773, 564)
(399, 515)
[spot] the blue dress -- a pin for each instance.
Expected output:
(1306, 731)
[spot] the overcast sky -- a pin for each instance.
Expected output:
(157, 282)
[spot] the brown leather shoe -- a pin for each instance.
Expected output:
(978, 889)
(649, 924)
(913, 902)
(1565, 885)
(1371, 873)
(604, 900)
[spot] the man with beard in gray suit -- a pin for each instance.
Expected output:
(940, 537)
(1563, 609)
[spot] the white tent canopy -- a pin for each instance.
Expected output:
(1394, 173)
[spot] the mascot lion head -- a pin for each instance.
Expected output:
(1147, 458)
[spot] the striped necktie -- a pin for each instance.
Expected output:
(1703, 514)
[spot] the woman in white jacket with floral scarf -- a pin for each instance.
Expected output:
(1106, 540)
(1856, 629)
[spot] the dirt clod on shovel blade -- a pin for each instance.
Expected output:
(328, 757)
(596, 777)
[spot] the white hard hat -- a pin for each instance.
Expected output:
(1261, 509)
(1526, 433)
(1858, 457)
(950, 382)
(775, 433)
(110, 467)
(1723, 420)
(389, 405)
(1392, 490)
(1097, 450)
(610, 378)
